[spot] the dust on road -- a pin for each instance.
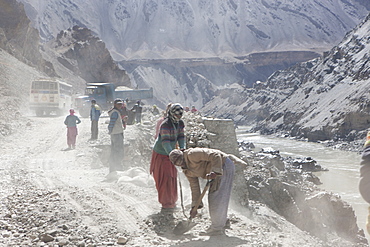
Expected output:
(52, 197)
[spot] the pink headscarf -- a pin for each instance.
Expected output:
(71, 111)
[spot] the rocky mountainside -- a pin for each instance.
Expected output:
(75, 55)
(205, 28)
(323, 99)
(193, 81)
(191, 48)
(19, 38)
(79, 51)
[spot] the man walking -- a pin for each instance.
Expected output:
(94, 117)
(115, 129)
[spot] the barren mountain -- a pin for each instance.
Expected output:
(206, 28)
(65, 198)
(323, 99)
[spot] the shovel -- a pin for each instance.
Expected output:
(184, 226)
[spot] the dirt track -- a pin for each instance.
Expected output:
(64, 198)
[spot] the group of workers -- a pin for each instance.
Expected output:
(169, 152)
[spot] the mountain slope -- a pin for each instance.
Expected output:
(326, 98)
(206, 28)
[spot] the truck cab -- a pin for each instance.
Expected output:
(103, 93)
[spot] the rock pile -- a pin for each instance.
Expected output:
(39, 217)
(285, 185)
(288, 186)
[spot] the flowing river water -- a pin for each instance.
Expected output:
(342, 177)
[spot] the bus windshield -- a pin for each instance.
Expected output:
(45, 85)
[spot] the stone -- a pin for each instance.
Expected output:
(122, 240)
(46, 238)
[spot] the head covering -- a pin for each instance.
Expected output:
(118, 101)
(175, 109)
(176, 157)
(71, 111)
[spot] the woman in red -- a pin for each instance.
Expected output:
(171, 133)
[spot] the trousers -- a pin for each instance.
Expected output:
(116, 153)
(218, 201)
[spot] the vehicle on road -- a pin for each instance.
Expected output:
(49, 95)
(105, 93)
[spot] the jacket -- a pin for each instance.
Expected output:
(95, 112)
(137, 108)
(199, 163)
(72, 121)
(115, 125)
(169, 134)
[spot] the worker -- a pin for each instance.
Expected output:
(171, 133)
(137, 109)
(160, 120)
(115, 130)
(94, 117)
(155, 110)
(193, 109)
(71, 122)
(211, 164)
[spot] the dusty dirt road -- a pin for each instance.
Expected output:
(51, 197)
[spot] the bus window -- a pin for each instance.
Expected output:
(45, 85)
(53, 86)
(36, 85)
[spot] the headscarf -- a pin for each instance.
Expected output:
(71, 112)
(175, 109)
(176, 157)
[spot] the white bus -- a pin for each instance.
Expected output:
(50, 95)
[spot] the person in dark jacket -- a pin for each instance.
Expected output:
(94, 117)
(71, 122)
(137, 109)
(171, 133)
(364, 185)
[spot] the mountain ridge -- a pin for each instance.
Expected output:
(322, 99)
(179, 28)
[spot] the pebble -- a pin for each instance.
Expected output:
(122, 240)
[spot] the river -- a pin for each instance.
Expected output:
(342, 177)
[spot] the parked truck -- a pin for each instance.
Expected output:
(105, 93)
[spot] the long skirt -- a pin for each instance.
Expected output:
(71, 136)
(165, 177)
